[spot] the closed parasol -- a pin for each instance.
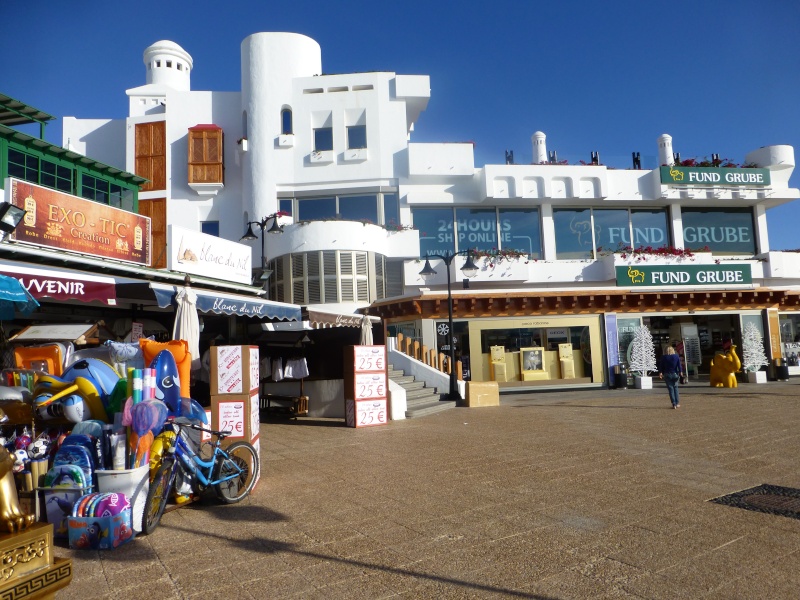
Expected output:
(14, 297)
(187, 323)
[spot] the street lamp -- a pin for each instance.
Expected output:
(251, 235)
(10, 217)
(469, 270)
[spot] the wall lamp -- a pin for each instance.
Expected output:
(250, 235)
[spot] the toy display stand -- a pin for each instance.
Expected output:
(29, 568)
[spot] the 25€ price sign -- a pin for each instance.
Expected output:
(231, 418)
(370, 358)
(371, 412)
(370, 385)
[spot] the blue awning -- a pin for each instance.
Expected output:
(222, 303)
(14, 297)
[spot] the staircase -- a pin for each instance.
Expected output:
(420, 400)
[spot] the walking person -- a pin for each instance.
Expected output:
(670, 372)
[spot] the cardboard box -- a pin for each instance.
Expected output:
(234, 370)
(483, 393)
(237, 414)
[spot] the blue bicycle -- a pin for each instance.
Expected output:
(231, 472)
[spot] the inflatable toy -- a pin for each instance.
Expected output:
(724, 367)
(180, 352)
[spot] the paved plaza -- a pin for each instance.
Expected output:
(590, 494)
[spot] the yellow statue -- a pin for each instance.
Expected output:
(724, 367)
(11, 516)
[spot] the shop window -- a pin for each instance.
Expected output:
(205, 154)
(650, 228)
(612, 229)
(435, 226)
(574, 238)
(520, 230)
(729, 231)
(476, 228)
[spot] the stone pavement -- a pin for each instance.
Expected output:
(590, 494)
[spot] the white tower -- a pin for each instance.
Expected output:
(169, 65)
(665, 156)
(539, 148)
(270, 63)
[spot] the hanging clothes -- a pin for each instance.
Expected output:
(298, 368)
(277, 369)
(264, 368)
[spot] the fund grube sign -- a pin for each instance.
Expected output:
(57, 220)
(690, 275)
(714, 176)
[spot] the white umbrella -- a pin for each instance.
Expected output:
(366, 331)
(187, 323)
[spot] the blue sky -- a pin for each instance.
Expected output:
(605, 76)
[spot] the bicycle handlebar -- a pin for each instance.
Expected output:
(219, 434)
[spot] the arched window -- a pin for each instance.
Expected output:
(286, 121)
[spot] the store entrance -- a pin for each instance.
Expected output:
(697, 338)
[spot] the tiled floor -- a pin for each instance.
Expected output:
(596, 494)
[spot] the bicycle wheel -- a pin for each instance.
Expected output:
(241, 455)
(157, 496)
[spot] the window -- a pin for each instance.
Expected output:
(285, 206)
(582, 233)
(391, 209)
(728, 231)
(359, 208)
(205, 154)
(476, 228)
(23, 166)
(356, 137)
(435, 226)
(316, 209)
(56, 176)
(95, 189)
(520, 230)
(286, 121)
(210, 227)
(151, 154)
(323, 139)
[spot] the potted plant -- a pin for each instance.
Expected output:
(753, 357)
(643, 358)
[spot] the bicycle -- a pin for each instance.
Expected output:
(231, 472)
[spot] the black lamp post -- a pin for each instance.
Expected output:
(251, 235)
(470, 270)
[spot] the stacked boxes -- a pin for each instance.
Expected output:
(365, 386)
(234, 393)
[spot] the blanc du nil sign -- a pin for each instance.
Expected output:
(659, 275)
(713, 176)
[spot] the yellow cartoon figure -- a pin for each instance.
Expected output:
(724, 367)
(636, 275)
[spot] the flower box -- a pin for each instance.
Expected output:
(643, 383)
(756, 377)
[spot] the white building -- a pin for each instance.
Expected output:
(363, 203)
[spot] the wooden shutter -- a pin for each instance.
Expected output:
(151, 154)
(156, 209)
(205, 154)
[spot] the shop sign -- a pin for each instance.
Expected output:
(45, 284)
(713, 176)
(208, 255)
(648, 275)
(64, 222)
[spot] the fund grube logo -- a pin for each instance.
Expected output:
(635, 275)
(676, 174)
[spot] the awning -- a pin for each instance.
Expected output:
(322, 320)
(63, 285)
(222, 303)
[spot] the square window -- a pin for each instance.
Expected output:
(323, 139)
(356, 137)
(210, 228)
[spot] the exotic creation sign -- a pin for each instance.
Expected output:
(691, 275)
(64, 222)
(714, 176)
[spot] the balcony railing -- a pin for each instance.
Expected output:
(418, 351)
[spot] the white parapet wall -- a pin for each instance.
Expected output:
(432, 377)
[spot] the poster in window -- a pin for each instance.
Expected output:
(532, 359)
